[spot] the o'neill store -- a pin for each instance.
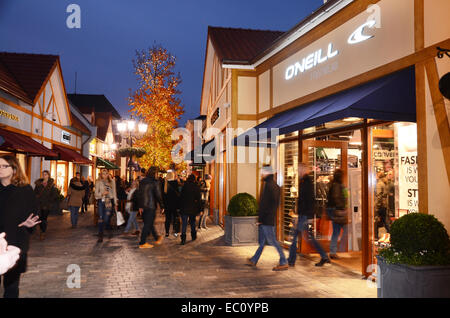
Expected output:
(352, 87)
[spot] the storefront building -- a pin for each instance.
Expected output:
(354, 87)
(36, 121)
(100, 113)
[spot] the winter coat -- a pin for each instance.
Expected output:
(190, 199)
(16, 205)
(76, 193)
(269, 201)
(101, 186)
(337, 200)
(132, 204)
(172, 197)
(150, 194)
(47, 196)
(306, 200)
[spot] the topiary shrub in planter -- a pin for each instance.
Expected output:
(417, 264)
(240, 222)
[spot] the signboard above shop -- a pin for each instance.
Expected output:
(379, 35)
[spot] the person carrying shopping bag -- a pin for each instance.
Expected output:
(105, 194)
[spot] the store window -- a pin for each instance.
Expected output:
(394, 179)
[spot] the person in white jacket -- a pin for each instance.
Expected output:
(9, 255)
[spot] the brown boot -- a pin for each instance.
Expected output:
(281, 267)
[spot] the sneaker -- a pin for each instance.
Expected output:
(146, 245)
(323, 261)
(280, 267)
(334, 256)
(159, 240)
(250, 262)
(175, 234)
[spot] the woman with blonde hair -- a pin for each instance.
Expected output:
(132, 207)
(171, 197)
(18, 216)
(105, 194)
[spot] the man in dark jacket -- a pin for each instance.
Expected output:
(190, 206)
(150, 195)
(305, 211)
(268, 205)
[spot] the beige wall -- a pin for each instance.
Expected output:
(264, 91)
(438, 185)
(246, 95)
(437, 25)
(437, 29)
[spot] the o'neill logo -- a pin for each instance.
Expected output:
(310, 61)
(358, 36)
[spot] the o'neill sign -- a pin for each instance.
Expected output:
(317, 57)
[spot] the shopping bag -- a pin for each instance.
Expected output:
(65, 203)
(120, 218)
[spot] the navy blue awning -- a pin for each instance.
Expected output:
(204, 154)
(390, 98)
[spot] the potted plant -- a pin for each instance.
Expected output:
(417, 264)
(240, 222)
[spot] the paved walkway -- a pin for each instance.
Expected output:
(204, 268)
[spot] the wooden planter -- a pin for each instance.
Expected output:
(241, 230)
(404, 281)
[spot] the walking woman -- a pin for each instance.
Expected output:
(132, 207)
(18, 216)
(105, 194)
(204, 190)
(171, 198)
(47, 198)
(75, 193)
(190, 205)
(337, 210)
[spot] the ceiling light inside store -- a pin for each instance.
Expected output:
(355, 143)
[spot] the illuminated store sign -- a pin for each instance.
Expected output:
(310, 61)
(317, 58)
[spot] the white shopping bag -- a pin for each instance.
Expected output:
(120, 219)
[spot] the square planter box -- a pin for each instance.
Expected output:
(241, 230)
(405, 281)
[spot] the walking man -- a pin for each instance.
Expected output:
(149, 195)
(268, 204)
(305, 205)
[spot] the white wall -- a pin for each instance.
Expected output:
(264, 91)
(246, 95)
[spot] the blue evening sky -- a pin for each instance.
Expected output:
(101, 51)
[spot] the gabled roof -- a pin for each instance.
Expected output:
(88, 103)
(23, 75)
(78, 124)
(240, 45)
(102, 121)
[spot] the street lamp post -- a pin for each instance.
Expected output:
(128, 128)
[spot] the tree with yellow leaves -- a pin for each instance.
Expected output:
(156, 102)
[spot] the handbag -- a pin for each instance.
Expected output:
(65, 203)
(120, 218)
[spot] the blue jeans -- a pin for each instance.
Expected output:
(302, 226)
(334, 238)
(132, 221)
(104, 216)
(184, 224)
(74, 214)
(266, 234)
